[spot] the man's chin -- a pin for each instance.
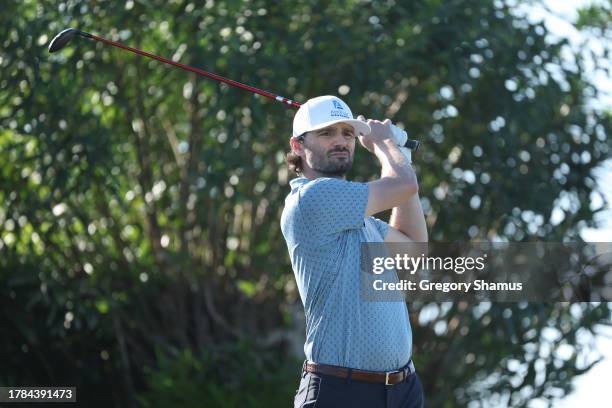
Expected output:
(338, 171)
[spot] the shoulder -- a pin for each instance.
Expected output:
(327, 186)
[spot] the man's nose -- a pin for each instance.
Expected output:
(339, 140)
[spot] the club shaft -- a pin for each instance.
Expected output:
(412, 144)
(199, 71)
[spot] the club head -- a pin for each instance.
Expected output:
(60, 40)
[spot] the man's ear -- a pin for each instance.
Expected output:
(296, 143)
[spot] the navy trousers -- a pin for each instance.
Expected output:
(326, 391)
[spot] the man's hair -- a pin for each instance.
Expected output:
(294, 162)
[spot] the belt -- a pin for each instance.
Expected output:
(387, 378)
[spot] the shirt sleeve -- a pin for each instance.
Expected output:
(381, 226)
(332, 205)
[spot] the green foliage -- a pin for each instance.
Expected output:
(140, 205)
(239, 377)
(529, 349)
(596, 16)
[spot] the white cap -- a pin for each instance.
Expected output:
(323, 111)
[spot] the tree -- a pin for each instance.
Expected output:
(140, 205)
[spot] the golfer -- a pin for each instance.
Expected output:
(358, 353)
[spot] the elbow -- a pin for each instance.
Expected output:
(420, 237)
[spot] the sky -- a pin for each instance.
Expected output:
(593, 388)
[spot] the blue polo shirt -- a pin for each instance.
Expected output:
(324, 223)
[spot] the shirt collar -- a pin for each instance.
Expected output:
(298, 182)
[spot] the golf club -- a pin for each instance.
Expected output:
(64, 37)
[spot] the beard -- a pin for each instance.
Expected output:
(330, 165)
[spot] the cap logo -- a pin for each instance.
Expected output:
(338, 111)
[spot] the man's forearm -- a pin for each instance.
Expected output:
(393, 161)
(410, 220)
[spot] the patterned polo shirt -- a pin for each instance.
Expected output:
(324, 224)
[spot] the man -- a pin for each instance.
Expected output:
(358, 353)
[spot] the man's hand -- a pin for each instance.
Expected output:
(381, 133)
(397, 181)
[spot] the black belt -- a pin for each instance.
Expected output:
(387, 378)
